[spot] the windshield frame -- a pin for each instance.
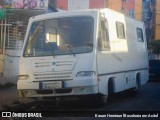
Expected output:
(70, 49)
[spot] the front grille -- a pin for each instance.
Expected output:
(53, 65)
(44, 91)
(58, 91)
(52, 76)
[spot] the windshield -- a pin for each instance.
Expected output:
(60, 36)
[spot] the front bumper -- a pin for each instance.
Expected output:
(72, 87)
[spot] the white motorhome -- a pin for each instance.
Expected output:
(87, 52)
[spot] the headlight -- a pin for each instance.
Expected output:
(85, 73)
(23, 77)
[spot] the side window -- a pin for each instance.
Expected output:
(120, 30)
(103, 35)
(139, 35)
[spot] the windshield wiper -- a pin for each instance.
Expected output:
(50, 48)
(68, 45)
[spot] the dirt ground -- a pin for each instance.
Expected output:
(8, 96)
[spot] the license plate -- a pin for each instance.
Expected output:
(52, 85)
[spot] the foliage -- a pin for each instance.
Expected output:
(2, 13)
(154, 47)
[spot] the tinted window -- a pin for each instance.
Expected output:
(139, 35)
(60, 36)
(103, 41)
(120, 30)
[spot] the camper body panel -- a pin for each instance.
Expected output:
(127, 56)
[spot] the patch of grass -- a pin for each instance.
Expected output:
(7, 85)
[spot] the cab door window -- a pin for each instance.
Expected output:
(120, 30)
(103, 35)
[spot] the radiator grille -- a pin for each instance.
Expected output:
(52, 76)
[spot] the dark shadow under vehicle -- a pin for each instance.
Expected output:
(154, 70)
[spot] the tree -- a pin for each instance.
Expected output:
(2, 13)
